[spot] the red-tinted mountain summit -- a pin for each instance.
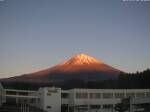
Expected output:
(81, 67)
(79, 63)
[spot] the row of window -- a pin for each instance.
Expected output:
(110, 95)
(16, 93)
(105, 106)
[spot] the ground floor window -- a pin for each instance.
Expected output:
(107, 106)
(95, 106)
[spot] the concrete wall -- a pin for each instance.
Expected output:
(2, 95)
(102, 101)
(50, 99)
(142, 104)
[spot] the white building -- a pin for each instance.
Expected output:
(2, 93)
(76, 100)
(50, 99)
(141, 104)
(80, 100)
(99, 99)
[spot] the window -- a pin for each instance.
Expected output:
(49, 107)
(95, 95)
(130, 94)
(48, 94)
(95, 106)
(81, 95)
(119, 95)
(11, 92)
(38, 100)
(107, 106)
(140, 94)
(32, 100)
(148, 94)
(23, 93)
(64, 95)
(107, 95)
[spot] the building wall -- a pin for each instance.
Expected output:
(142, 104)
(50, 99)
(103, 98)
(2, 95)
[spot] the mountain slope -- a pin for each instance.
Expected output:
(80, 64)
(80, 67)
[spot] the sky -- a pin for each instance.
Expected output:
(38, 34)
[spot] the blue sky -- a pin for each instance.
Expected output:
(37, 34)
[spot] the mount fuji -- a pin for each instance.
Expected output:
(75, 72)
(80, 66)
(81, 63)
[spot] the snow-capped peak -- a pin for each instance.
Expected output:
(81, 59)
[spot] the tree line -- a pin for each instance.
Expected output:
(138, 80)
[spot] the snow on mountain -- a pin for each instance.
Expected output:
(82, 59)
(80, 66)
(78, 63)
